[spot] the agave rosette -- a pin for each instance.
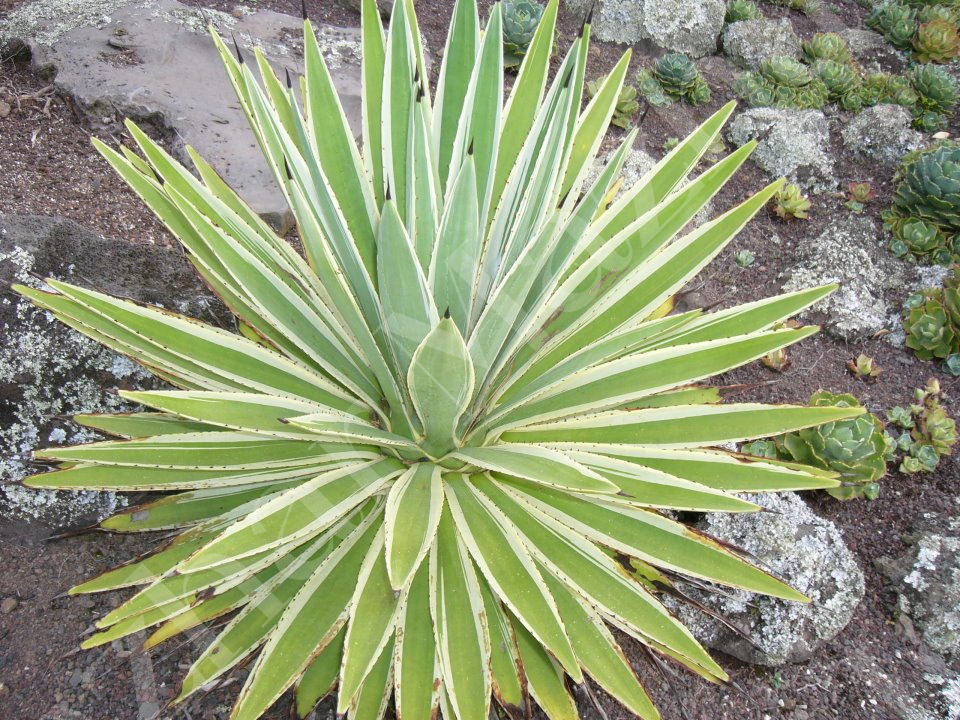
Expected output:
(413, 471)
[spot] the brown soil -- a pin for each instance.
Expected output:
(49, 167)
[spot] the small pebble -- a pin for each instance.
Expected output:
(8, 605)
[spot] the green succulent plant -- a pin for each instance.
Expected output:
(651, 90)
(826, 46)
(930, 332)
(739, 10)
(520, 21)
(744, 258)
(673, 77)
(929, 187)
(855, 448)
(409, 476)
(929, 13)
(937, 94)
(807, 7)
(790, 203)
(895, 21)
(785, 71)
(781, 82)
(936, 41)
(880, 88)
(916, 239)
(929, 433)
(842, 82)
(864, 367)
(626, 107)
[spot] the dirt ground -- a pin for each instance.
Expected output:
(47, 166)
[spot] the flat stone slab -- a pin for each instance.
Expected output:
(156, 63)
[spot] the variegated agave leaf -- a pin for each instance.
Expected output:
(413, 473)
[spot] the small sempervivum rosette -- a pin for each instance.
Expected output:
(416, 471)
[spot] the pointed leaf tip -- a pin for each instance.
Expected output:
(236, 47)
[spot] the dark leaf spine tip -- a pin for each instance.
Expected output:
(470, 148)
(419, 93)
(566, 79)
(387, 193)
(588, 20)
(446, 313)
(286, 167)
(289, 79)
(416, 75)
(303, 9)
(236, 47)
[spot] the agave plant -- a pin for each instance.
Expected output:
(415, 470)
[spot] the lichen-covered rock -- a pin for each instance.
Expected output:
(850, 253)
(882, 133)
(791, 143)
(688, 27)
(927, 579)
(804, 550)
(748, 42)
(872, 52)
(49, 372)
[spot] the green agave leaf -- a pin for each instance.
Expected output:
(686, 426)
(544, 677)
(463, 642)
(541, 465)
(297, 617)
(599, 653)
(576, 561)
(412, 514)
(459, 58)
(296, 514)
(141, 425)
(441, 385)
(371, 702)
(320, 677)
(507, 567)
(417, 677)
(509, 681)
(373, 614)
(637, 532)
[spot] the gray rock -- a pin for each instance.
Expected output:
(872, 52)
(792, 143)
(48, 371)
(848, 252)
(168, 73)
(927, 578)
(688, 27)
(804, 550)
(882, 133)
(749, 41)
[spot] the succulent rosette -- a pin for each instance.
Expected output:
(855, 448)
